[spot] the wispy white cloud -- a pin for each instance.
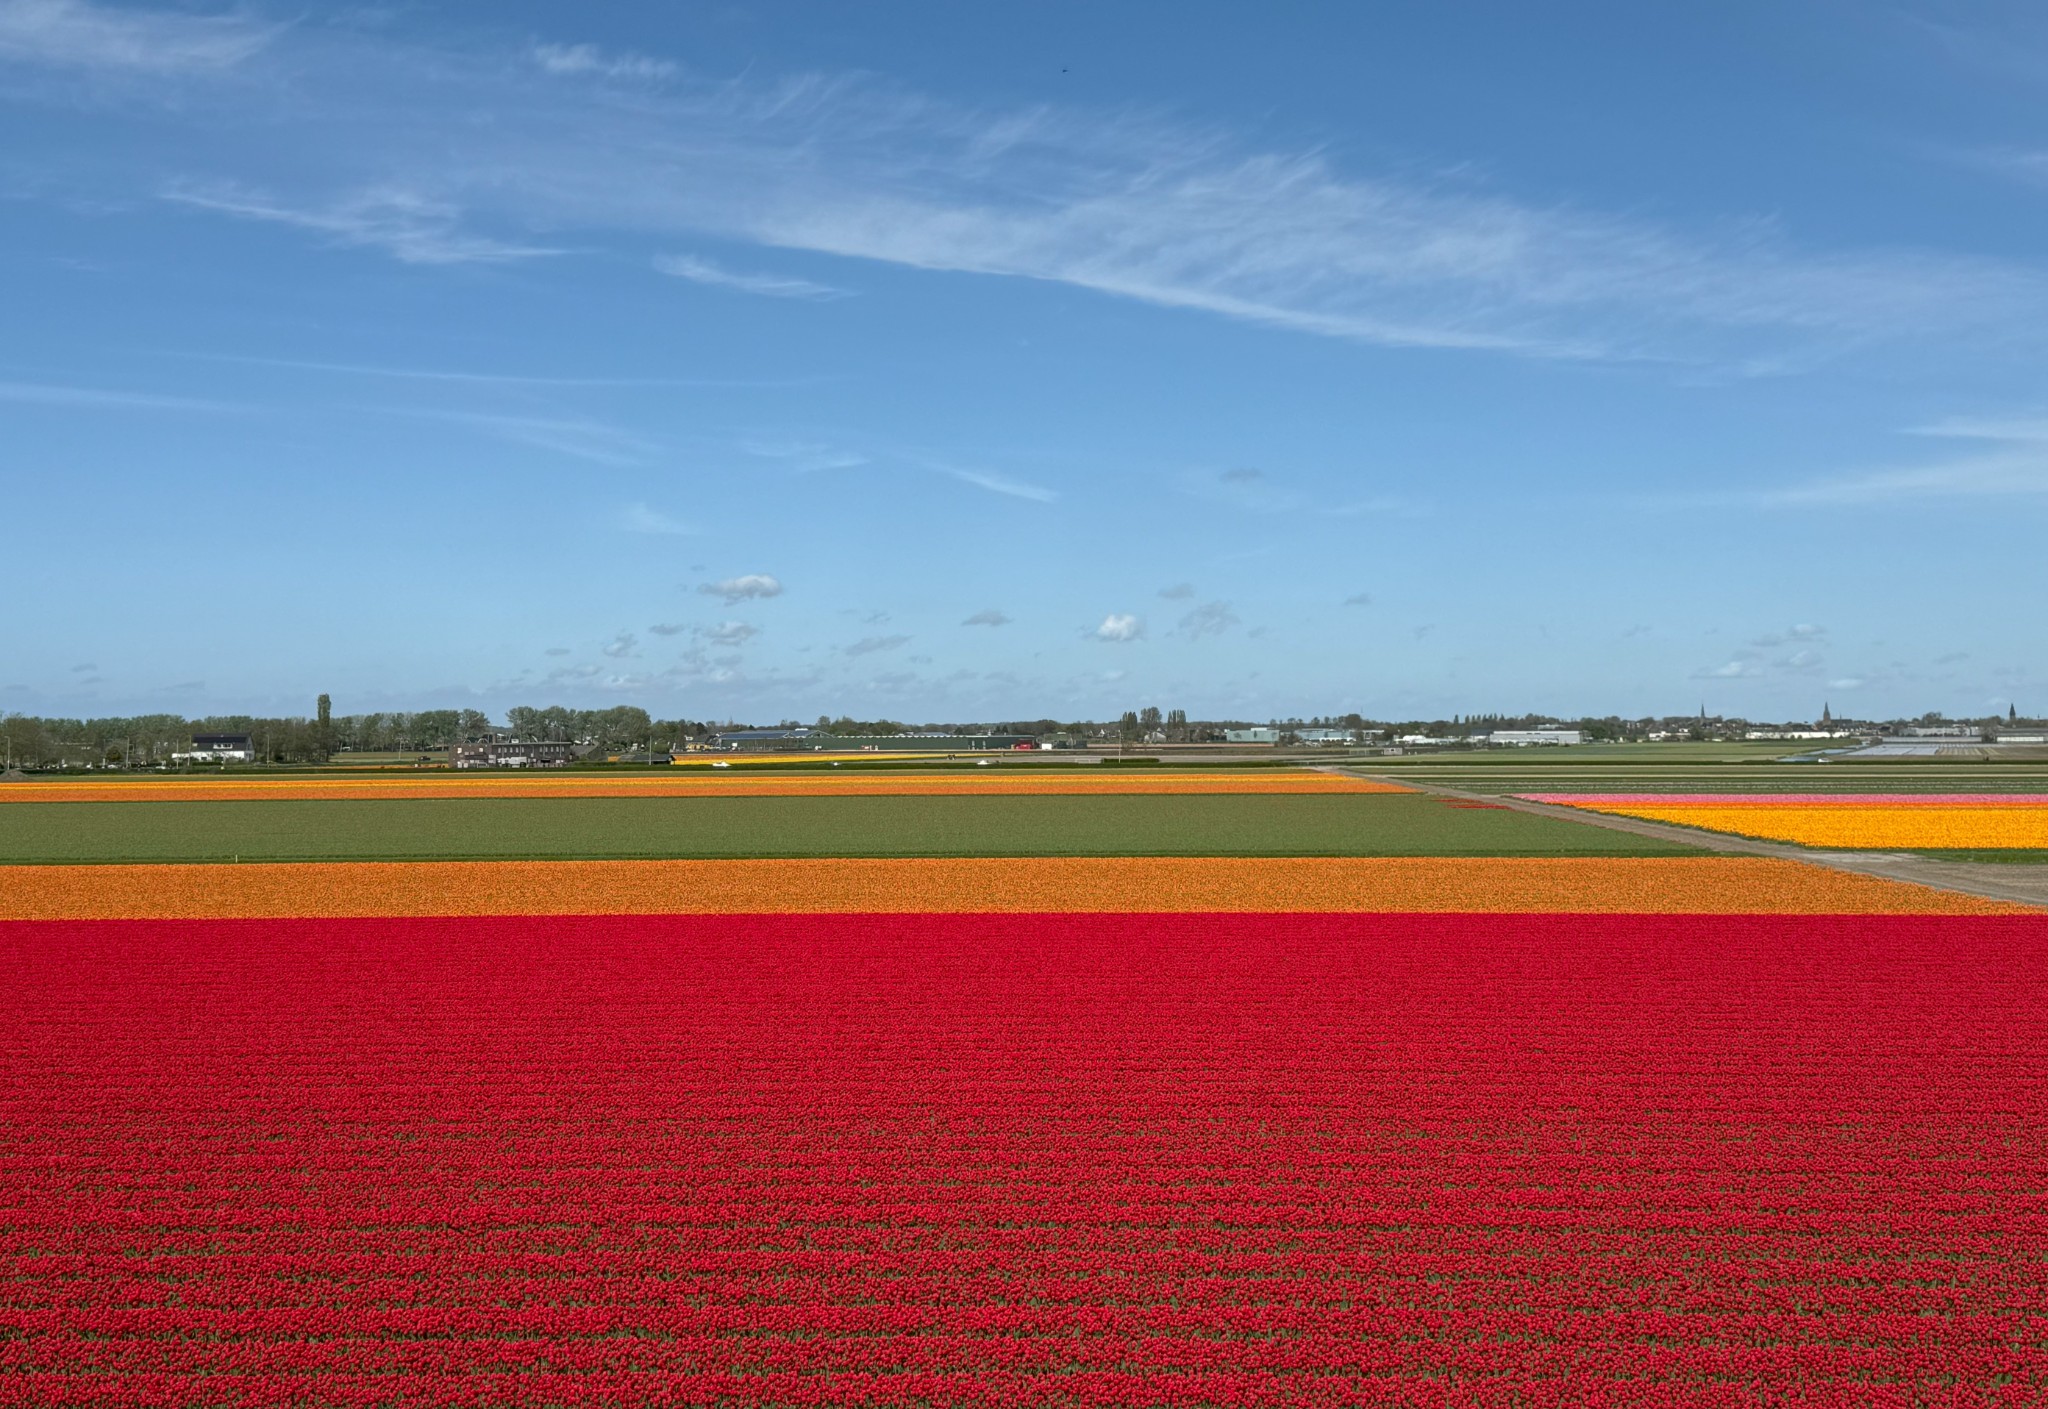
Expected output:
(1358, 599)
(1254, 491)
(703, 271)
(752, 586)
(996, 483)
(990, 617)
(868, 645)
(1125, 205)
(810, 457)
(1290, 241)
(600, 63)
(579, 438)
(1209, 619)
(644, 518)
(2026, 430)
(492, 379)
(805, 457)
(105, 399)
(78, 34)
(411, 227)
(729, 633)
(1795, 651)
(1802, 632)
(621, 645)
(2016, 466)
(1179, 592)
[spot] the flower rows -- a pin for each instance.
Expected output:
(1987, 822)
(1014, 781)
(1084, 1160)
(1084, 885)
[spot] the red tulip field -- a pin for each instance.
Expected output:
(1085, 1159)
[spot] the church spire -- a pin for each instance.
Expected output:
(1827, 715)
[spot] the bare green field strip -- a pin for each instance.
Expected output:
(529, 828)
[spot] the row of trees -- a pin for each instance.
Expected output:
(147, 740)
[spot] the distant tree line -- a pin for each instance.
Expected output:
(147, 740)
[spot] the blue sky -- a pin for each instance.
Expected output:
(993, 361)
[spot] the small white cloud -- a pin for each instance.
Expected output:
(868, 645)
(668, 628)
(556, 651)
(1179, 592)
(1119, 627)
(1358, 599)
(987, 618)
(752, 586)
(596, 62)
(1847, 682)
(621, 645)
(703, 271)
(1209, 619)
(1733, 670)
(644, 518)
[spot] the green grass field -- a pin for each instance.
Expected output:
(506, 828)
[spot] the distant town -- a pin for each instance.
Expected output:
(557, 736)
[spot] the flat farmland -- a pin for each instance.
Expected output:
(1092, 1160)
(517, 828)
